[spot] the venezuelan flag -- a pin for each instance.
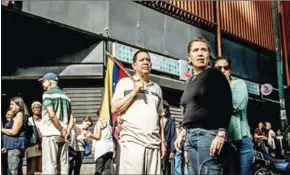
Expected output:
(113, 75)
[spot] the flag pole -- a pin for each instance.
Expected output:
(119, 65)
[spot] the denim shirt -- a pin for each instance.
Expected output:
(15, 142)
(239, 126)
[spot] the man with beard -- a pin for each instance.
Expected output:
(139, 103)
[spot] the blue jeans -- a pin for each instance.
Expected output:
(246, 153)
(178, 163)
(188, 168)
(198, 142)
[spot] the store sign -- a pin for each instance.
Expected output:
(266, 89)
(185, 70)
(159, 63)
(253, 88)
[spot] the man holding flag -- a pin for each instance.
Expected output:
(138, 101)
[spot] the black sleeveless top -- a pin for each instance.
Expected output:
(18, 141)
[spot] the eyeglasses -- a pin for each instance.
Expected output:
(223, 67)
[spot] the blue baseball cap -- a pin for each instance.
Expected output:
(49, 76)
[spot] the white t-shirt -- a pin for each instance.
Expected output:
(33, 151)
(141, 119)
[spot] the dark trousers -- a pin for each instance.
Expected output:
(76, 163)
(4, 164)
(166, 165)
(104, 164)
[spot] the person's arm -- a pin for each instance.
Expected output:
(55, 121)
(161, 113)
(179, 140)
(256, 136)
(163, 141)
(161, 126)
(18, 122)
(218, 100)
(120, 103)
(71, 122)
(240, 95)
(98, 132)
(172, 139)
(172, 136)
(216, 96)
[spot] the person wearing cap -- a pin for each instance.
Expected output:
(34, 158)
(57, 123)
(140, 105)
(170, 136)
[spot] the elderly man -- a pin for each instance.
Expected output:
(140, 104)
(56, 115)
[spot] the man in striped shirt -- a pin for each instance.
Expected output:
(57, 124)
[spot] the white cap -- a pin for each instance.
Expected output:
(35, 103)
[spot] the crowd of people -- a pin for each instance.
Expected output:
(63, 143)
(269, 141)
(145, 138)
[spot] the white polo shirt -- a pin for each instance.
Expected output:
(141, 119)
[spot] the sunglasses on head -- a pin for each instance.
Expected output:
(223, 67)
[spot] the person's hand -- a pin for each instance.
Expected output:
(84, 132)
(67, 137)
(171, 156)
(216, 145)
(81, 137)
(88, 134)
(163, 149)
(177, 144)
(63, 132)
(138, 85)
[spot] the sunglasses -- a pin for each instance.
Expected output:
(223, 67)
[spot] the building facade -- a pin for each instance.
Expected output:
(70, 37)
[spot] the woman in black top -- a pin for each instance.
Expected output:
(207, 101)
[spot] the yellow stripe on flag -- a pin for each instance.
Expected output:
(108, 92)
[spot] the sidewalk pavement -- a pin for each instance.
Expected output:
(85, 169)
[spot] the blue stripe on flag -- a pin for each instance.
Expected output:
(115, 75)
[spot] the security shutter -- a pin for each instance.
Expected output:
(85, 102)
(177, 113)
